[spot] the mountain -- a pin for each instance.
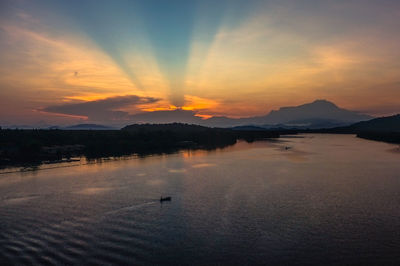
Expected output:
(318, 114)
(381, 124)
(385, 129)
(318, 110)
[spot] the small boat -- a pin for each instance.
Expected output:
(165, 199)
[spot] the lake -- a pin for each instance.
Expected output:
(313, 198)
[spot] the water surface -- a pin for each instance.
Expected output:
(316, 199)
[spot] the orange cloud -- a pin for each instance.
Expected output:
(193, 103)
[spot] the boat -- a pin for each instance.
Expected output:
(165, 199)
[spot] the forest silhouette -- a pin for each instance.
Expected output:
(20, 147)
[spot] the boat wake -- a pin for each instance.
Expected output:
(132, 207)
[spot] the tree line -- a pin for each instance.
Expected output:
(20, 147)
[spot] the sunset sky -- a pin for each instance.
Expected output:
(98, 61)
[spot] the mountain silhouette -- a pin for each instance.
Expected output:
(318, 114)
(381, 124)
(317, 110)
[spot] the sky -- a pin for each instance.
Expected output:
(64, 62)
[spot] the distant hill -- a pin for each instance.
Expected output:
(199, 134)
(319, 110)
(381, 124)
(381, 129)
(88, 127)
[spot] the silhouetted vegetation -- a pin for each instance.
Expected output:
(391, 137)
(19, 147)
(385, 129)
(381, 129)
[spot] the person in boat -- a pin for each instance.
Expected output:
(165, 199)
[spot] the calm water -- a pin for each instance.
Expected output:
(329, 199)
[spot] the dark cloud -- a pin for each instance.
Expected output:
(101, 110)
